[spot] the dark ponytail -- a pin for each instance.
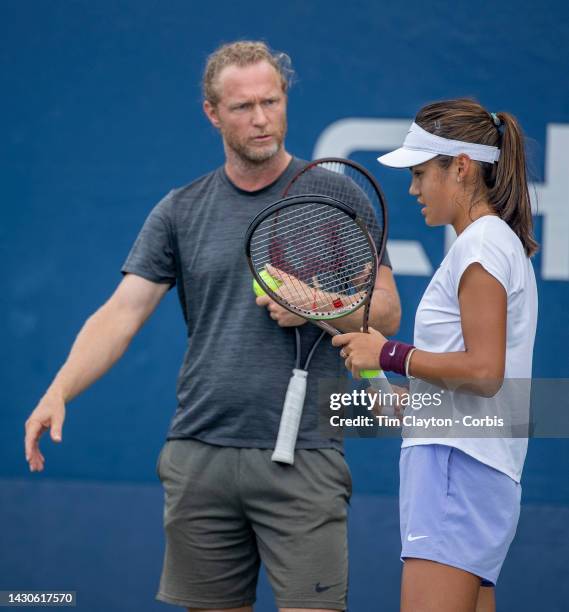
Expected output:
(509, 193)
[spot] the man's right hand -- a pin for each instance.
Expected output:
(48, 414)
(102, 340)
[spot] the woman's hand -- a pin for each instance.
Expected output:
(360, 350)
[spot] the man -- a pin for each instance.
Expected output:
(227, 505)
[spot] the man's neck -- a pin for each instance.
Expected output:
(252, 177)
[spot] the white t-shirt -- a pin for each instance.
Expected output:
(490, 242)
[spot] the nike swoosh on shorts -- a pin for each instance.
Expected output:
(411, 538)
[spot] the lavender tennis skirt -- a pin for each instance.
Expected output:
(456, 510)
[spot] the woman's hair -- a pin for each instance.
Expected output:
(504, 183)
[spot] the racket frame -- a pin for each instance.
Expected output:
(298, 200)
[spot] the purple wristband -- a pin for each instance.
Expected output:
(393, 355)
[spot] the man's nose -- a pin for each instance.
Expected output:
(259, 116)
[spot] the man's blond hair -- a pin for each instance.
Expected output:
(243, 53)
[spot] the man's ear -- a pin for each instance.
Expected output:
(211, 113)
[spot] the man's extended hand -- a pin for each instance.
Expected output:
(49, 414)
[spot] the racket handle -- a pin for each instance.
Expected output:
(380, 383)
(290, 418)
(370, 373)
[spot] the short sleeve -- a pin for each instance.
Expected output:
(152, 255)
(489, 249)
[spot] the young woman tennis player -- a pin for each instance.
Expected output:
(460, 496)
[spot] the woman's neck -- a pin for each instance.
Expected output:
(473, 213)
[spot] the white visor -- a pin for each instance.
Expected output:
(421, 146)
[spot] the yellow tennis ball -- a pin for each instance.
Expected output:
(271, 282)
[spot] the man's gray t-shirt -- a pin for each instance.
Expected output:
(238, 361)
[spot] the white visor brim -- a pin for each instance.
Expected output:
(405, 158)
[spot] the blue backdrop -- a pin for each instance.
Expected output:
(101, 115)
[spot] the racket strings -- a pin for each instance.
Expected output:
(265, 231)
(349, 189)
(306, 226)
(313, 253)
(322, 255)
(346, 184)
(309, 229)
(344, 275)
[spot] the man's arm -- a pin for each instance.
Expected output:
(101, 342)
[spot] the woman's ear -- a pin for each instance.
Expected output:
(463, 165)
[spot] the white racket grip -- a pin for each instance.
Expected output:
(290, 418)
(381, 383)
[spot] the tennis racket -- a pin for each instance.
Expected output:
(315, 256)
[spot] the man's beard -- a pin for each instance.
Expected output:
(254, 155)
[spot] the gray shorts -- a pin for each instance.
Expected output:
(227, 509)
